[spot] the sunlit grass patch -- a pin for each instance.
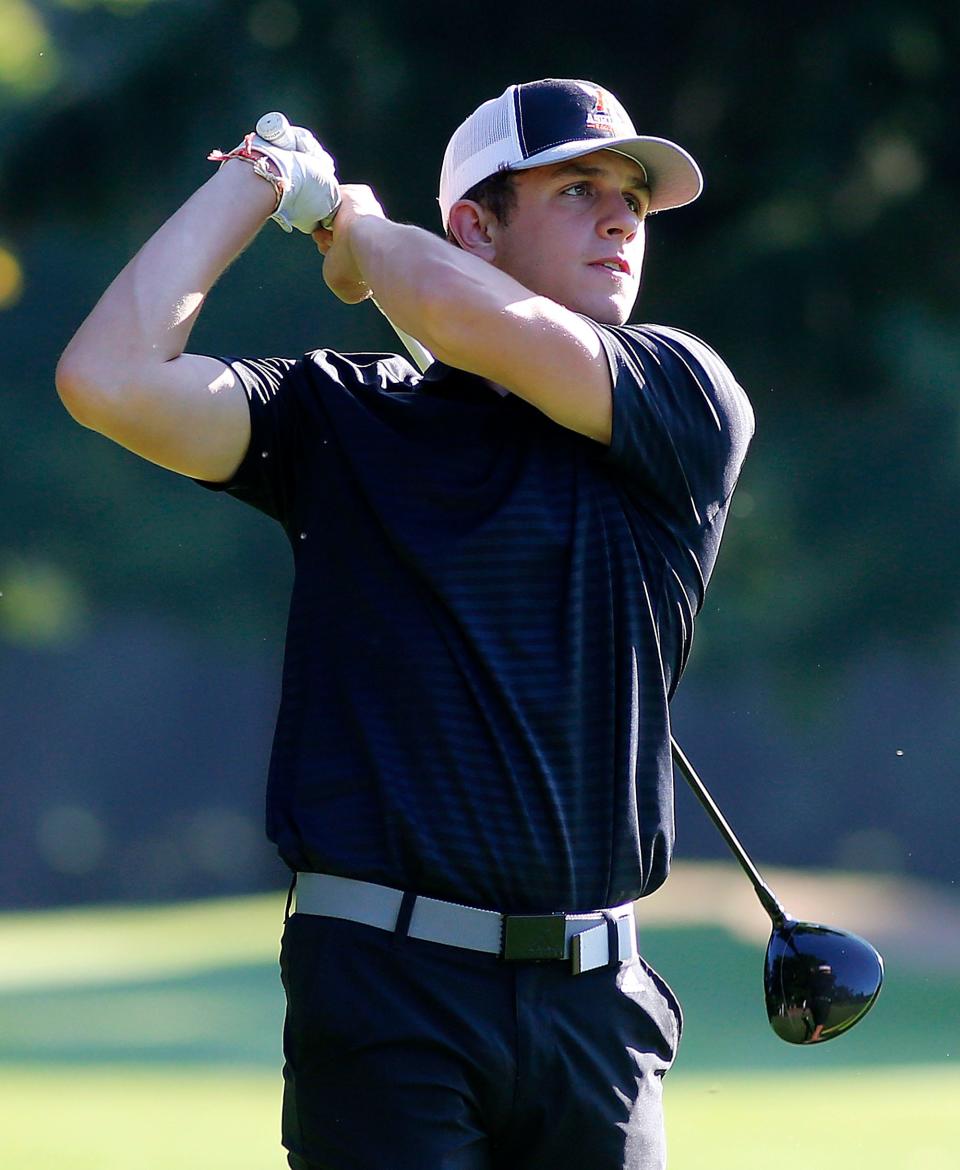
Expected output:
(96, 1119)
(859, 1119)
(228, 1119)
(103, 945)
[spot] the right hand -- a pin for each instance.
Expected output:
(341, 272)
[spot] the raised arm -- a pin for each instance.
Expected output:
(125, 373)
(478, 318)
(510, 304)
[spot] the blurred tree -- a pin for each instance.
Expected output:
(820, 262)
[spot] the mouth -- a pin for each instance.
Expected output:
(612, 264)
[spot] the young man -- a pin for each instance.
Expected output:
(498, 564)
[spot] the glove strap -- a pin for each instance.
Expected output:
(258, 160)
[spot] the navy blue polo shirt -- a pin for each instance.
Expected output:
(489, 616)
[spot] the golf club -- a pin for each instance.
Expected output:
(275, 127)
(818, 981)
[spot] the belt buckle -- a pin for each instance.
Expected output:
(534, 938)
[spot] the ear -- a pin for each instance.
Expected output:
(474, 228)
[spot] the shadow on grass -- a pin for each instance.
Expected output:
(234, 1015)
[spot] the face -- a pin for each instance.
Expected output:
(576, 234)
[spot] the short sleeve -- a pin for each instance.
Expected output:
(264, 479)
(681, 423)
(341, 403)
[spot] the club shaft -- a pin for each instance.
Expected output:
(420, 354)
(768, 900)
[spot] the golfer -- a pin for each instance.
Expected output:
(497, 568)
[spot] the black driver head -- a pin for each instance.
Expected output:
(818, 981)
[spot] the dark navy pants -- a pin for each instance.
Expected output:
(410, 1055)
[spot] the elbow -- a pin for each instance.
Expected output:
(83, 390)
(74, 391)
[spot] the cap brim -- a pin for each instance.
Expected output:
(672, 174)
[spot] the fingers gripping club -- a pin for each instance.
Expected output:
(320, 198)
(274, 128)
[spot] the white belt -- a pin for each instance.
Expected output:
(595, 939)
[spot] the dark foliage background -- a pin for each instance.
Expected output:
(140, 620)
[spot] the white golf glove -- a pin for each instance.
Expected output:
(309, 192)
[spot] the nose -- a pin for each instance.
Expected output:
(617, 221)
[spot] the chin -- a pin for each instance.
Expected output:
(606, 308)
(607, 313)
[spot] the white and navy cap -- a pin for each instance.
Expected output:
(541, 122)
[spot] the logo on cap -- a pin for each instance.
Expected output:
(601, 117)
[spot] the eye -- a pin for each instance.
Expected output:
(576, 189)
(635, 205)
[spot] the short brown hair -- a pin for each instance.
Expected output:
(497, 193)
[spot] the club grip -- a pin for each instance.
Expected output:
(275, 128)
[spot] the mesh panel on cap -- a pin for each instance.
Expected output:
(489, 126)
(477, 148)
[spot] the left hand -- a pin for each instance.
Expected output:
(309, 191)
(341, 272)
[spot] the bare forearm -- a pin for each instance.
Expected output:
(147, 313)
(426, 286)
(471, 313)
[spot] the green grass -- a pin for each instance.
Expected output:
(877, 1119)
(222, 1119)
(151, 1038)
(231, 1012)
(139, 1117)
